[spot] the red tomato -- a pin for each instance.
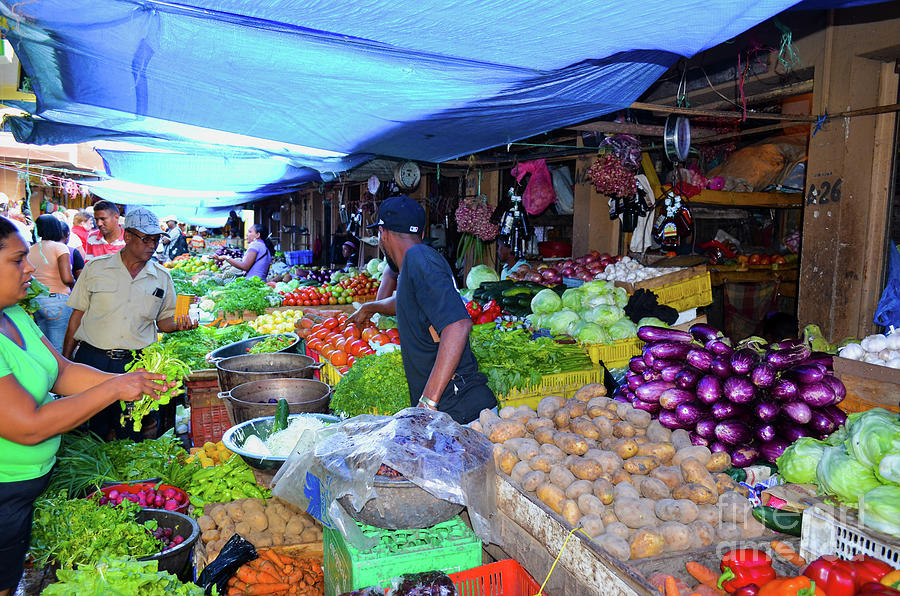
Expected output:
(330, 323)
(315, 345)
(352, 331)
(392, 332)
(351, 360)
(338, 358)
(754, 259)
(765, 260)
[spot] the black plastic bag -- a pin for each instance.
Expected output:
(235, 553)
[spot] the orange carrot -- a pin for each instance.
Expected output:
(786, 552)
(671, 586)
(248, 575)
(270, 555)
(703, 574)
(261, 589)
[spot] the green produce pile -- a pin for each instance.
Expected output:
(858, 465)
(512, 360)
(191, 347)
(119, 576)
(155, 358)
(36, 289)
(375, 381)
(84, 462)
(593, 313)
(243, 294)
(185, 282)
(512, 296)
(272, 344)
(223, 483)
(80, 531)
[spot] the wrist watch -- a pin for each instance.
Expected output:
(428, 402)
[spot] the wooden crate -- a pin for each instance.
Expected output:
(663, 280)
(868, 385)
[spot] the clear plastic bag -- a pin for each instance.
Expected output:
(450, 461)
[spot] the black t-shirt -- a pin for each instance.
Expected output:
(427, 299)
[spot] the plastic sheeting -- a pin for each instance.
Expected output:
(452, 462)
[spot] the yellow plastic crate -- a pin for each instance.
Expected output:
(617, 354)
(328, 373)
(687, 293)
(563, 384)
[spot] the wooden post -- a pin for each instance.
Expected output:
(848, 179)
(592, 229)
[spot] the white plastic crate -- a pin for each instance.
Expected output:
(830, 530)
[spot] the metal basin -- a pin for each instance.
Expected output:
(240, 348)
(400, 505)
(175, 561)
(247, 368)
(235, 437)
(259, 398)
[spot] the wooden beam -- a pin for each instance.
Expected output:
(734, 115)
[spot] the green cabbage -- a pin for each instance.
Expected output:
(604, 315)
(480, 274)
(589, 302)
(571, 299)
(545, 302)
(840, 475)
(880, 509)
(590, 333)
(622, 329)
(559, 322)
(872, 434)
(651, 322)
(798, 462)
(621, 297)
(598, 288)
(372, 267)
(889, 468)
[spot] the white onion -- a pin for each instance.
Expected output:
(893, 340)
(874, 343)
(852, 352)
(894, 363)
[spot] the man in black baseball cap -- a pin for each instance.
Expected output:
(434, 327)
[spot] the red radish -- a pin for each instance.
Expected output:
(113, 494)
(179, 497)
(171, 505)
(159, 500)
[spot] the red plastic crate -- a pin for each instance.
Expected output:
(503, 578)
(209, 417)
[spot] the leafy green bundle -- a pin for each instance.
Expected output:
(156, 358)
(119, 576)
(374, 384)
(81, 531)
(245, 294)
(272, 344)
(191, 347)
(512, 360)
(36, 289)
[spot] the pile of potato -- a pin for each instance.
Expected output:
(637, 488)
(263, 522)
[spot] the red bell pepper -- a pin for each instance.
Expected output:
(748, 590)
(844, 578)
(877, 589)
(869, 569)
(473, 308)
(792, 586)
(744, 566)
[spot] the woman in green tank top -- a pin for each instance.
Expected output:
(32, 420)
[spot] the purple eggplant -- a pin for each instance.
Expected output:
(668, 419)
(670, 372)
(772, 450)
(687, 378)
(733, 432)
(836, 414)
(719, 347)
(648, 358)
(784, 359)
(763, 375)
(784, 390)
(766, 411)
(742, 361)
(698, 440)
(724, 409)
(717, 446)
(706, 427)
(721, 366)
(823, 358)
(645, 405)
(821, 423)
(651, 375)
(704, 333)
(650, 391)
(745, 456)
(672, 398)
(634, 381)
(689, 413)
(637, 364)
(649, 333)
(660, 365)
(699, 359)
(805, 373)
(791, 431)
(738, 390)
(818, 394)
(765, 432)
(837, 387)
(669, 350)
(709, 389)
(784, 345)
(797, 411)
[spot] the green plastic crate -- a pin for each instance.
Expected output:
(450, 547)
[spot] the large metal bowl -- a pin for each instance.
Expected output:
(247, 368)
(239, 348)
(175, 561)
(401, 505)
(235, 437)
(260, 398)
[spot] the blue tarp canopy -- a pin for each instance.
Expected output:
(268, 95)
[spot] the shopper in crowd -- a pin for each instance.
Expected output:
(335, 254)
(197, 242)
(173, 240)
(119, 304)
(30, 368)
(235, 225)
(348, 251)
(82, 224)
(75, 256)
(8, 210)
(507, 258)
(53, 268)
(441, 370)
(108, 237)
(258, 255)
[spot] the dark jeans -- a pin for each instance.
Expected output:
(107, 423)
(16, 512)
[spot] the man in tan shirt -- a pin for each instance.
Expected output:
(120, 302)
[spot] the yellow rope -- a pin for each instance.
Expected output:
(552, 567)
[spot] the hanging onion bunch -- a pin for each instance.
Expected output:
(473, 220)
(611, 177)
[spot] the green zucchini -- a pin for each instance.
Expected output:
(281, 415)
(786, 522)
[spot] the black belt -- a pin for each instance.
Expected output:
(111, 354)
